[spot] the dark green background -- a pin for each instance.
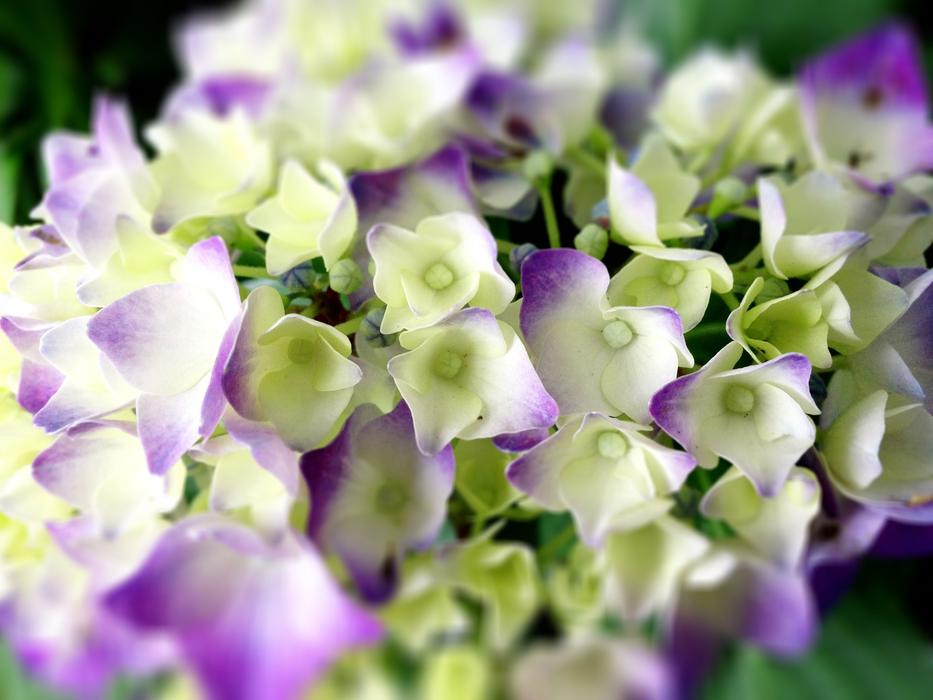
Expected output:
(54, 54)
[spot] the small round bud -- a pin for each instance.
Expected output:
(592, 240)
(739, 399)
(727, 193)
(672, 274)
(439, 276)
(345, 276)
(611, 445)
(519, 254)
(618, 334)
(447, 364)
(538, 166)
(371, 329)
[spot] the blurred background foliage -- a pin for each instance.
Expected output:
(56, 54)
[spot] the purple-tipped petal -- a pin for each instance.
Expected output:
(765, 606)
(559, 284)
(404, 196)
(170, 425)
(267, 448)
(252, 619)
(521, 441)
(864, 105)
(669, 407)
(37, 385)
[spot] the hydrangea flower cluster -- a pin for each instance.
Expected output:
(454, 350)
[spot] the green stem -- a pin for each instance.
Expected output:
(551, 548)
(746, 213)
(585, 159)
(750, 260)
(477, 527)
(351, 326)
(706, 329)
(505, 247)
(731, 300)
(550, 215)
(253, 237)
(251, 271)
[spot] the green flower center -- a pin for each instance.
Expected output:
(618, 334)
(672, 273)
(611, 445)
(448, 364)
(439, 276)
(391, 497)
(739, 399)
(300, 351)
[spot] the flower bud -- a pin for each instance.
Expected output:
(592, 240)
(727, 193)
(345, 276)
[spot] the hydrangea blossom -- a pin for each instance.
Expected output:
(593, 356)
(648, 203)
(425, 275)
(755, 417)
(169, 342)
(279, 367)
(451, 375)
(307, 218)
(374, 495)
(606, 472)
(289, 370)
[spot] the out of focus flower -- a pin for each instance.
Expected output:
(307, 218)
(777, 526)
(253, 619)
(374, 495)
(208, 166)
(169, 343)
(864, 105)
(591, 669)
(645, 565)
(648, 204)
(878, 450)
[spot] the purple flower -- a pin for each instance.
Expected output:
(864, 106)
(170, 342)
(252, 619)
(375, 495)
